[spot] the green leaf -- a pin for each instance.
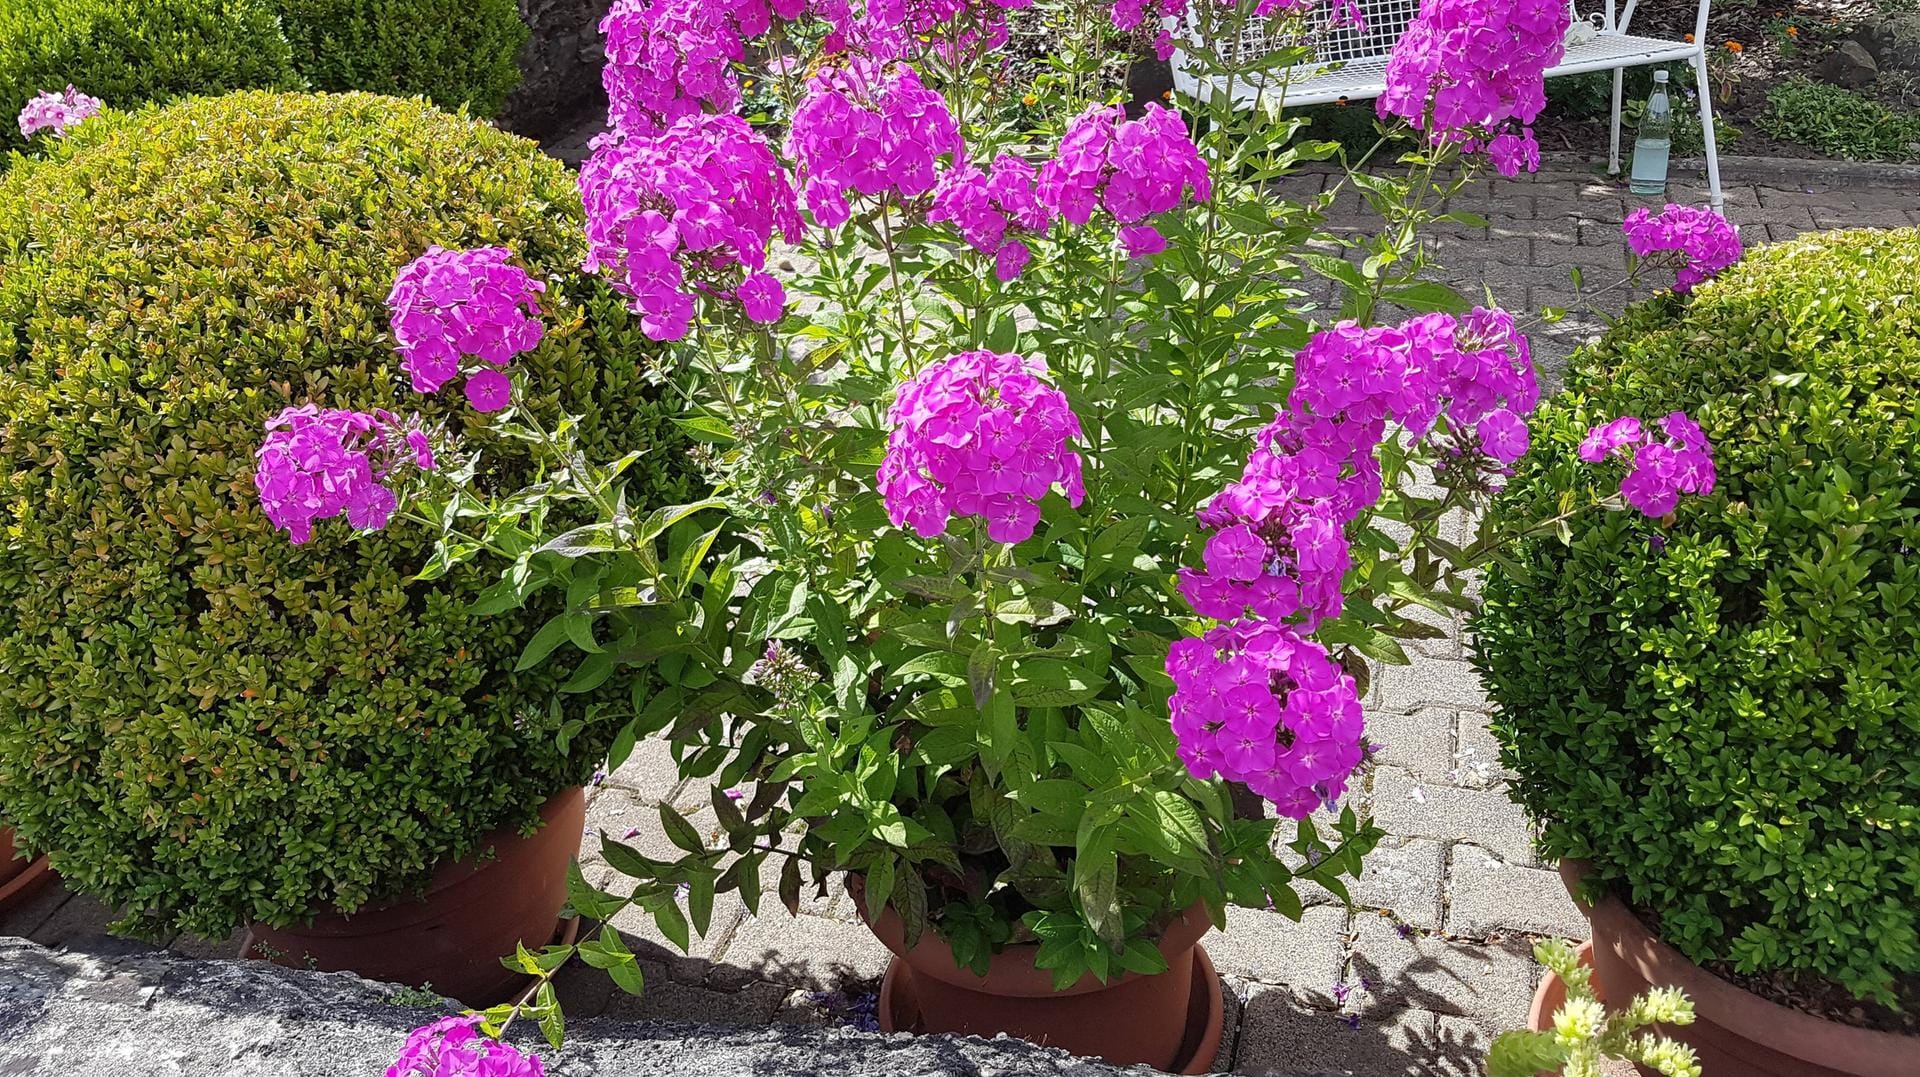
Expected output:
(879, 884)
(588, 900)
(608, 951)
(550, 635)
(681, 832)
(1052, 682)
(980, 672)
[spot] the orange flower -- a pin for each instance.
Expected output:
(1736, 48)
(1166, 95)
(1689, 39)
(1029, 100)
(1793, 31)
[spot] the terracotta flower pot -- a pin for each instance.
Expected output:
(453, 938)
(19, 879)
(1552, 994)
(1170, 1021)
(1737, 1033)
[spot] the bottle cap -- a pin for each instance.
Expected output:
(1660, 76)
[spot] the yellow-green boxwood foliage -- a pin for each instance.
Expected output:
(1723, 714)
(456, 52)
(129, 52)
(203, 722)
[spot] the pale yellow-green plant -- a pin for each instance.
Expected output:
(1584, 1034)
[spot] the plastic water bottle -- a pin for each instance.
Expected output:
(1652, 141)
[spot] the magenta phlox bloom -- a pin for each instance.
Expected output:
(1662, 467)
(454, 1047)
(992, 210)
(672, 58)
(980, 434)
(956, 30)
(316, 463)
(1133, 169)
(869, 129)
(1257, 703)
(1465, 68)
(447, 306)
(689, 210)
(1707, 242)
(1277, 554)
(57, 112)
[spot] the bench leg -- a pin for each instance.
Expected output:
(1613, 143)
(1706, 131)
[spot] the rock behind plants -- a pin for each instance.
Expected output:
(207, 724)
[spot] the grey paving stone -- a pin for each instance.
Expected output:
(1260, 945)
(627, 817)
(27, 919)
(804, 951)
(1405, 878)
(1407, 806)
(1477, 755)
(650, 772)
(637, 926)
(190, 945)
(77, 917)
(1420, 741)
(1429, 682)
(1489, 895)
(1491, 983)
(1281, 1034)
(666, 999)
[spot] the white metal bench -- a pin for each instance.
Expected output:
(1350, 64)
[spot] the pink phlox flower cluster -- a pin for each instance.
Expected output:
(955, 29)
(1463, 68)
(1132, 14)
(1513, 152)
(672, 58)
(869, 128)
(982, 434)
(1277, 552)
(1256, 703)
(693, 208)
(1133, 169)
(1708, 242)
(992, 209)
(447, 306)
(454, 1047)
(318, 463)
(57, 112)
(1662, 467)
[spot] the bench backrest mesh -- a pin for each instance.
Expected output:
(1336, 39)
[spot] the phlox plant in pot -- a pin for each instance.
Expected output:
(1048, 542)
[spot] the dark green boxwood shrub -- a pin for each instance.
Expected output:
(129, 52)
(454, 52)
(1724, 714)
(204, 723)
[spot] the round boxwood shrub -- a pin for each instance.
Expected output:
(203, 722)
(456, 52)
(1723, 712)
(129, 52)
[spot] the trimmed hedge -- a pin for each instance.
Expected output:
(455, 52)
(1723, 714)
(203, 722)
(129, 52)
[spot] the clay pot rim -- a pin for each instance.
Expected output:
(1552, 993)
(20, 879)
(408, 911)
(1788, 1031)
(1010, 972)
